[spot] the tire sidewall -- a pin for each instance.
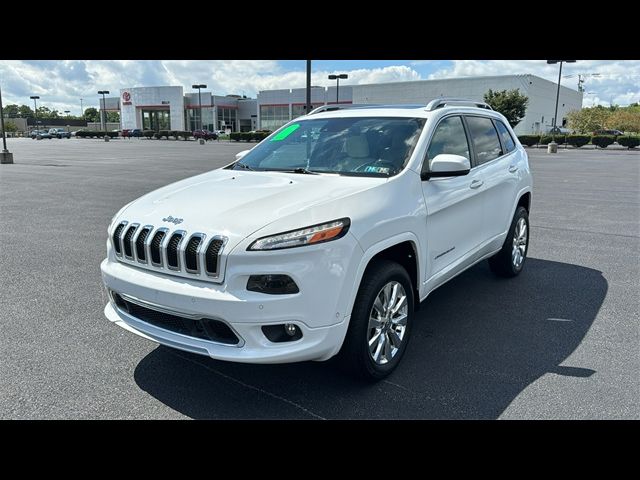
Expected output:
(521, 212)
(364, 306)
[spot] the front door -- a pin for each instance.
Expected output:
(454, 206)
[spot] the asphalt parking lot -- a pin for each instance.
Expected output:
(560, 341)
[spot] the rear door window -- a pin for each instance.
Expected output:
(486, 143)
(507, 141)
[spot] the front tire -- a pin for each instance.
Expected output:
(381, 322)
(509, 261)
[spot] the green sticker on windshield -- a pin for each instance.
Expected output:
(286, 132)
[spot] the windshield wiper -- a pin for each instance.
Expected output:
(243, 166)
(301, 170)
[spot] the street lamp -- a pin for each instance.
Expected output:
(35, 111)
(5, 155)
(337, 78)
(199, 86)
(104, 106)
(81, 110)
(553, 62)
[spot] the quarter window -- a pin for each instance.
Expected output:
(485, 139)
(507, 141)
(450, 138)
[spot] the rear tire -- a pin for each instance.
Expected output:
(509, 261)
(381, 322)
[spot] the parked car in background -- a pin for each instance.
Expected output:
(59, 133)
(136, 132)
(206, 134)
(615, 133)
(42, 133)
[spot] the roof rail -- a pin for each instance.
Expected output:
(331, 107)
(461, 102)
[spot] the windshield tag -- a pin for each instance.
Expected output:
(286, 132)
(372, 169)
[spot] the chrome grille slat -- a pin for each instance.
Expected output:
(192, 252)
(174, 243)
(183, 249)
(139, 243)
(156, 247)
(116, 239)
(127, 240)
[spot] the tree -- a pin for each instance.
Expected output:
(10, 127)
(624, 119)
(510, 103)
(25, 111)
(11, 111)
(113, 117)
(91, 114)
(589, 120)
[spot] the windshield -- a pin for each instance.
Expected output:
(367, 146)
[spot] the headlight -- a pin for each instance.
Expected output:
(324, 232)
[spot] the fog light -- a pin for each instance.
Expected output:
(272, 284)
(287, 332)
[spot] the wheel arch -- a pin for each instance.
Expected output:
(403, 249)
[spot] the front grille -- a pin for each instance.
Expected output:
(203, 328)
(155, 247)
(140, 250)
(116, 238)
(172, 251)
(126, 241)
(191, 254)
(211, 256)
(176, 252)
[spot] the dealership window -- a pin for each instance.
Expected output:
(299, 110)
(228, 118)
(273, 117)
(156, 120)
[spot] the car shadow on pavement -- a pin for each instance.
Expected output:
(478, 342)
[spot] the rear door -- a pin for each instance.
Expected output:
(496, 156)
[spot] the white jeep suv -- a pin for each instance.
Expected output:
(324, 238)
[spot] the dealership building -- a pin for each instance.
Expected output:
(168, 108)
(276, 107)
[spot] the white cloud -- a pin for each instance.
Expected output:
(619, 80)
(61, 84)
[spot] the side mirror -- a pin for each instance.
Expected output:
(446, 165)
(241, 154)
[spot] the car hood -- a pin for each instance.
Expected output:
(237, 203)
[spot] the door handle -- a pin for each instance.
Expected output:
(513, 168)
(476, 184)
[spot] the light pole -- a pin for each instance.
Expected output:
(553, 62)
(104, 105)
(35, 112)
(199, 86)
(337, 78)
(81, 110)
(5, 155)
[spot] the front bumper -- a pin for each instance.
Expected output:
(323, 275)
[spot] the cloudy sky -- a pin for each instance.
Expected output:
(61, 84)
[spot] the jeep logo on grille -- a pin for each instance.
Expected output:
(173, 220)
